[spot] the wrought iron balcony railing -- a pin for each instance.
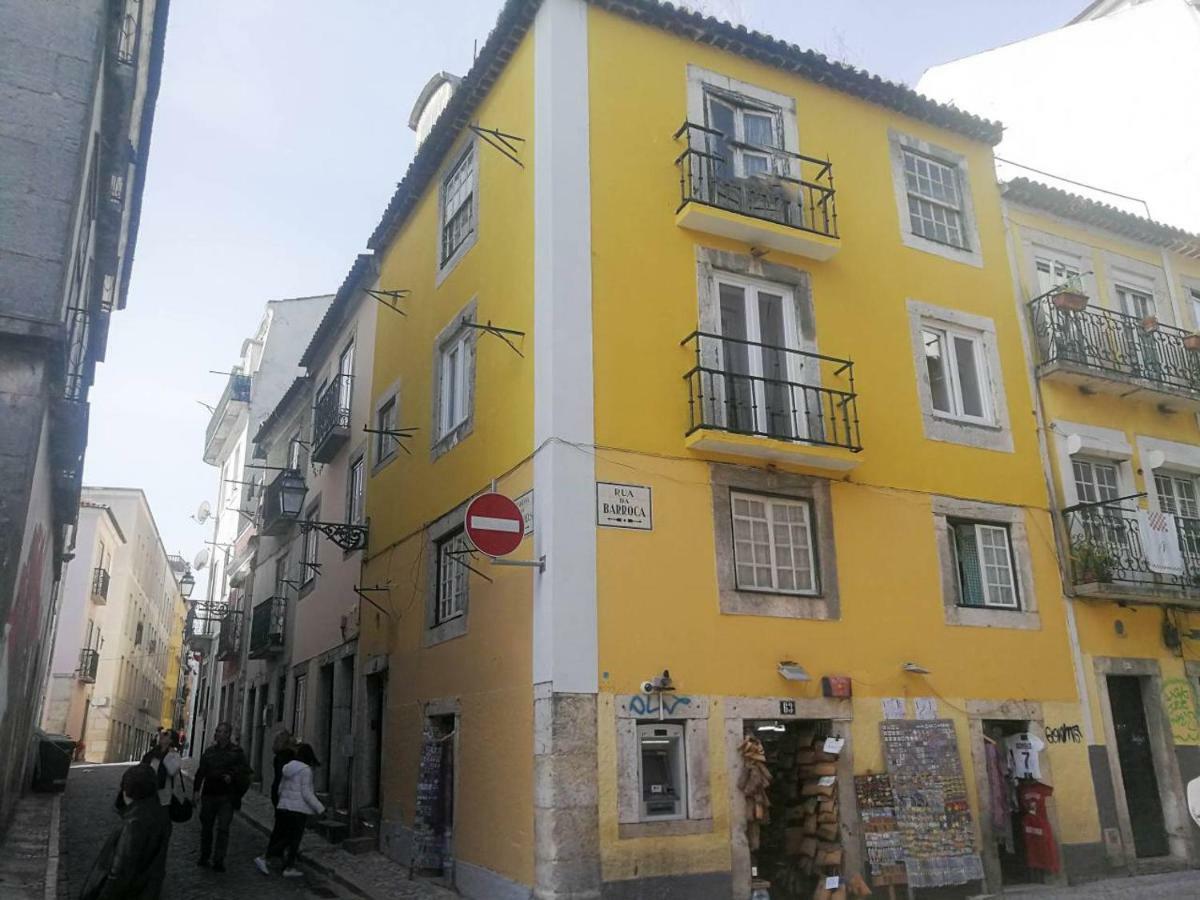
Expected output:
(750, 388)
(229, 641)
(89, 662)
(795, 190)
(267, 627)
(100, 580)
(220, 425)
(1107, 548)
(1115, 345)
(331, 418)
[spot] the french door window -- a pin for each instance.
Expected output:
(1055, 272)
(954, 362)
(746, 140)
(764, 378)
(346, 371)
(1177, 495)
(1139, 304)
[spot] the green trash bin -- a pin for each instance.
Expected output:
(53, 761)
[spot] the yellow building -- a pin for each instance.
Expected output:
(174, 684)
(1113, 301)
(777, 446)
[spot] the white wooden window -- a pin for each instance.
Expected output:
(1177, 494)
(1055, 271)
(935, 204)
(1095, 481)
(957, 368)
(662, 771)
(773, 544)
(1194, 296)
(1135, 302)
(295, 448)
(761, 390)
(346, 376)
(451, 578)
(308, 548)
(355, 488)
(458, 190)
(747, 140)
(986, 573)
(386, 444)
(454, 383)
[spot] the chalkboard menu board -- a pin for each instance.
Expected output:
(428, 849)
(930, 792)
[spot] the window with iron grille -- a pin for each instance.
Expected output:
(935, 205)
(773, 544)
(458, 213)
(986, 568)
(452, 582)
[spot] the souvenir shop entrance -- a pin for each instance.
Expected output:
(790, 785)
(1012, 758)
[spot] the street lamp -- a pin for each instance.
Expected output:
(292, 491)
(187, 584)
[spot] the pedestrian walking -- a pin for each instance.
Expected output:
(284, 747)
(296, 802)
(133, 861)
(164, 759)
(222, 777)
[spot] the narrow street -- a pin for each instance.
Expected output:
(88, 818)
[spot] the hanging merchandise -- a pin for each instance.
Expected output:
(753, 783)
(885, 854)
(1023, 752)
(1041, 851)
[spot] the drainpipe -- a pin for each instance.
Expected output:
(1061, 544)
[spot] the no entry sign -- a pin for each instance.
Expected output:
(494, 524)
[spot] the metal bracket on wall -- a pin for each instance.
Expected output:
(497, 331)
(456, 554)
(390, 299)
(399, 435)
(363, 591)
(500, 140)
(348, 537)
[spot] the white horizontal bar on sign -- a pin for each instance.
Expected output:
(491, 523)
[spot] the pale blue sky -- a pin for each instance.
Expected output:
(280, 133)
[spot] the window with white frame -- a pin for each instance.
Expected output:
(355, 491)
(1135, 301)
(1177, 494)
(662, 771)
(454, 383)
(1095, 481)
(386, 421)
(458, 212)
(773, 545)
(748, 137)
(1194, 296)
(986, 570)
(345, 376)
(935, 204)
(452, 572)
(295, 448)
(308, 547)
(957, 368)
(1055, 270)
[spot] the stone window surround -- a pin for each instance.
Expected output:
(1178, 458)
(1189, 283)
(391, 392)
(1106, 444)
(451, 332)
(469, 144)
(897, 143)
(1027, 617)
(740, 710)
(710, 263)
(698, 77)
(1119, 268)
(1032, 240)
(734, 601)
(693, 716)
(1162, 744)
(435, 633)
(937, 426)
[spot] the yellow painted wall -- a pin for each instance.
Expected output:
(175, 624)
(658, 594)
(487, 671)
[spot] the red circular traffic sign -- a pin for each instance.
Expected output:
(494, 524)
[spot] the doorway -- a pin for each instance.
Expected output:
(434, 820)
(1001, 743)
(1138, 773)
(376, 705)
(798, 842)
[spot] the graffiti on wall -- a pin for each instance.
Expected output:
(649, 704)
(1180, 705)
(1064, 734)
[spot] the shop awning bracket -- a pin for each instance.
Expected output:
(390, 299)
(500, 140)
(497, 331)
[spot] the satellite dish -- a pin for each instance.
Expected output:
(203, 513)
(201, 560)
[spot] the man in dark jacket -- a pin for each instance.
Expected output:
(222, 777)
(133, 861)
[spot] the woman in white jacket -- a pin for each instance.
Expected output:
(296, 802)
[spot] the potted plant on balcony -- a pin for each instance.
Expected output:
(1192, 342)
(1070, 296)
(1091, 562)
(1150, 323)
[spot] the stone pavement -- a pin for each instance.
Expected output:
(29, 853)
(1170, 886)
(372, 874)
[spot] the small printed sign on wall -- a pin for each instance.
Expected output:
(624, 506)
(525, 505)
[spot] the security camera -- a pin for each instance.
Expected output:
(648, 687)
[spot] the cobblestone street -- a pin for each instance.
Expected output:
(88, 817)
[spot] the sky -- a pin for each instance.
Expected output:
(280, 133)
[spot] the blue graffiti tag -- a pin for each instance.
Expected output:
(648, 704)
